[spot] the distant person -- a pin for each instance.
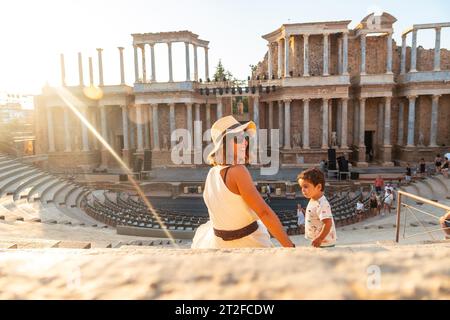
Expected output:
(319, 223)
(373, 204)
(438, 162)
(408, 173)
(300, 218)
(388, 200)
(323, 165)
(268, 192)
(445, 224)
(444, 168)
(359, 210)
(422, 167)
(239, 217)
(379, 184)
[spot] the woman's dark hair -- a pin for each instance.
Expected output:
(313, 175)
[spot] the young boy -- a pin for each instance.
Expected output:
(319, 226)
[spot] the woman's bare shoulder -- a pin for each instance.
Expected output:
(240, 171)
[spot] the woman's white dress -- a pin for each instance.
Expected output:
(227, 211)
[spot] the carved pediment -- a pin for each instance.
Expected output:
(374, 22)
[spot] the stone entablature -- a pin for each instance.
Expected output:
(165, 37)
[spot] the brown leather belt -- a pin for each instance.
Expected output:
(229, 235)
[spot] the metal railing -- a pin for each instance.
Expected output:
(410, 208)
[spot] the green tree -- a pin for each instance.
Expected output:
(222, 74)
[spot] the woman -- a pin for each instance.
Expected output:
(373, 204)
(445, 167)
(438, 162)
(239, 217)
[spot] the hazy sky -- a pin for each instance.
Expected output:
(34, 33)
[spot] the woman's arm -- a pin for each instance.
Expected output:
(253, 199)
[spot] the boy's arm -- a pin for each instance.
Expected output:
(327, 223)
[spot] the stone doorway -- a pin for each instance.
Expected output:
(370, 147)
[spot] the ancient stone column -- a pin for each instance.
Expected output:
(356, 123)
(280, 121)
(287, 124)
(403, 56)
(362, 121)
(344, 123)
(306, 124)
(189, 121)
(256, 111)
(363, 54)
(270, 114)
(136, 64)
(411, 120)
(389, 54)
(340, 56)
(126, 145)
(401, 112)
(338, 121)
(206, 64)
(325, 120)
(195, 64)
(380, 124)
(91, 73)
(152, 53)
(63, 70)
(286, 56)
(326, 38)
(67, 133)
(208, 116)
(50, 131)
(305, 55)
(155, 123)
(100, 66)
(188, 63)
(169, 48)
(197, 128)
(387, 122)
(144, 64)
(437, 50)
(80, 69)
(104, 125)
(84, 130)
(345, 54)
(219, 108)
(146, 120)
(122, 67)
(434, 120)
(280, 58)
(414, 52)
(171, 122)
(140, 133)
(269, 61)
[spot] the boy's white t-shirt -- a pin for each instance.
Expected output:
(316, 211)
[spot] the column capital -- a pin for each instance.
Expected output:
(306, 36)
(438, 28)
(362, 100)
(436, 96)
(120, 48)
(306, 99)
(99, 49)
(345, 99)
(287, 100)
(412, 97)
(388, 98)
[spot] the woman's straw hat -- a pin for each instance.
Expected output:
(224, 126)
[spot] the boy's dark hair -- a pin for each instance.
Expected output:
(313, 175)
